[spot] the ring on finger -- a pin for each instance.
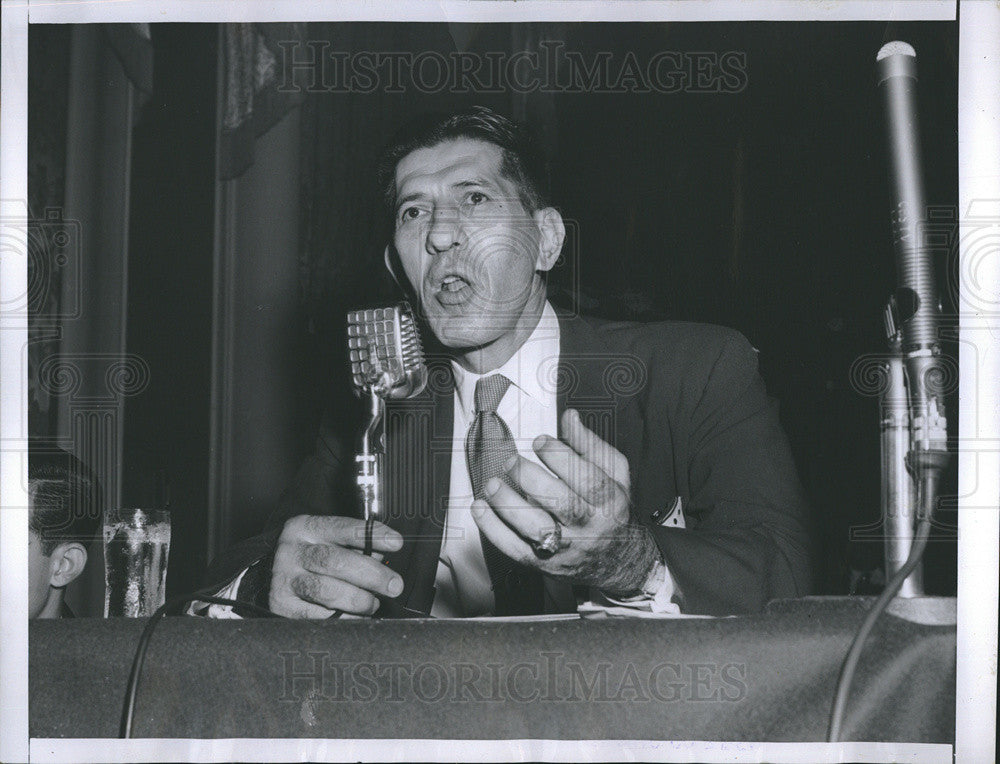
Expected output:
(550, 543)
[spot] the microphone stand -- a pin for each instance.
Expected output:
(898, 488)
(369, 460)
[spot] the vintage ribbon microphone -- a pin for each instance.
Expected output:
(914, 427)
(387, 361)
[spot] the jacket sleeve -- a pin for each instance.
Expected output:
(746, 542)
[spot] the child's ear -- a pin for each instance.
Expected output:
(67, 563)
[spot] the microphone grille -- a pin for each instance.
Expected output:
(365, 332)
(409, 339)
(896, 48)
(385, 352)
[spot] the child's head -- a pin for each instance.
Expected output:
(65, 511)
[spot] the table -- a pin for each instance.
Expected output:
(767, 677)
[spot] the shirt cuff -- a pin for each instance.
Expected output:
(228, 592)
(657, 593)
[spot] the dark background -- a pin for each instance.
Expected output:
(765, 210)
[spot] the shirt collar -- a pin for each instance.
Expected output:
(532, 368)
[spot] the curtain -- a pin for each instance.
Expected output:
(83, 102)
(57, 262)
(255, 92)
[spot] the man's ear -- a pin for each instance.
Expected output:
(553, 231)
(391, 261)
(395, 268)
(67, 563)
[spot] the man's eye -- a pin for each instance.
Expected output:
(410, 213)
(477, 197)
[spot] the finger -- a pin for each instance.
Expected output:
(283, 601)
(384, 538)
(333, 594)
(343, 531)
(588, 481)
(527, 521)
(352, 567)
(502, 536)
(592, 448)
(288, 605)
(550, 492)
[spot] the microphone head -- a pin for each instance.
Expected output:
(385, 351)
(895, 59)
(896, 48)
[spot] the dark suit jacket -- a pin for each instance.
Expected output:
(683, 402)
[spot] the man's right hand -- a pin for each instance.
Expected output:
(319, 568)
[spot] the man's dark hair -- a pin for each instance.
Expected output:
(522, 161)
(65, 499)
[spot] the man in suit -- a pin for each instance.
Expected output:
(552, 457)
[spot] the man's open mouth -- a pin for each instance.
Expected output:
(453, 290)
(453, 284)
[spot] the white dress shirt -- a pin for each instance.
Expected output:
(462, 584)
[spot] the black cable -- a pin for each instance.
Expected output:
(128, 710)
(850, 664)
(131, 690)
(369, 530)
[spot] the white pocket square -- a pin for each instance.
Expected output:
(671, 516)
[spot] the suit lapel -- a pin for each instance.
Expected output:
(582, 383)
(601, 382)
(417, 477)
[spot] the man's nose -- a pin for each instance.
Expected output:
(445, 231)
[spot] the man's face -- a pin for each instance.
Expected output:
(39, 575)
(468, 246)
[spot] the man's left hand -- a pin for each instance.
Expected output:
(587, 493)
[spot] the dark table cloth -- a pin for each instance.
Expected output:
(768, 677)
